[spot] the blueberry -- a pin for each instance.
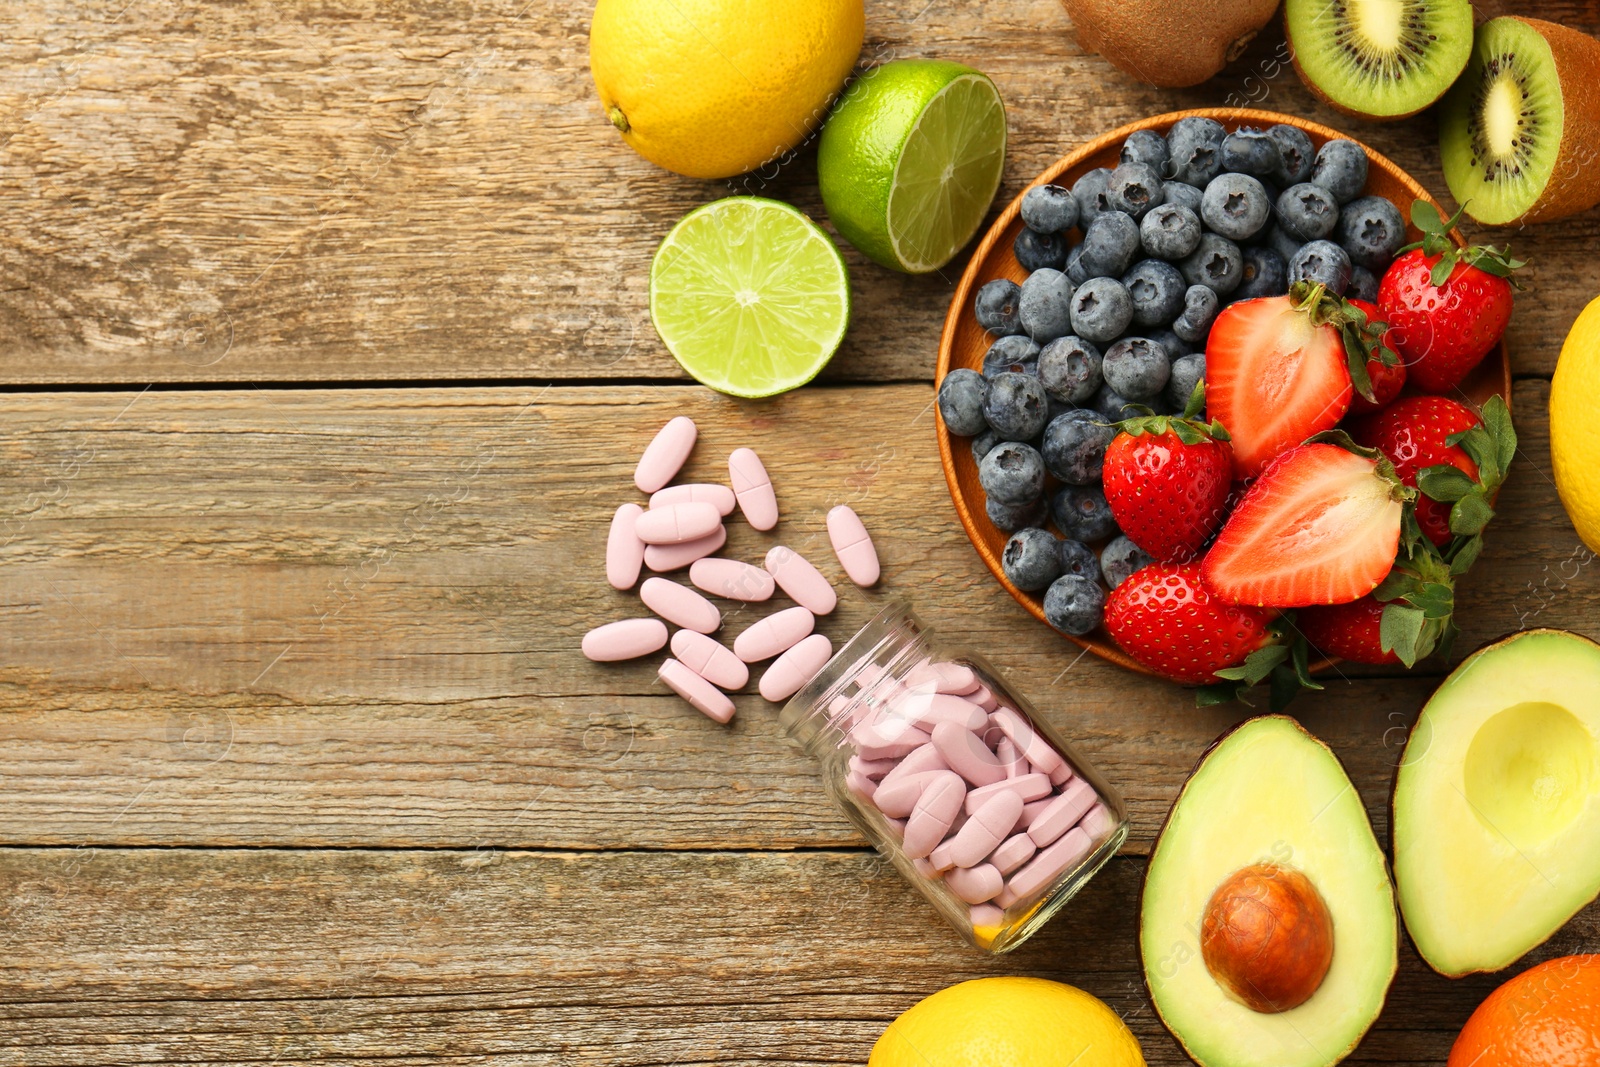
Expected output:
(1196, 150)
(1074, 605)
(1200, 304)
(1363, 284)
(1341, 168)
(1113, 405)
(1074, 447)
(1075, 272)
(1081, 513)
(1216, 262)
(1181, 194)
(1013, 353)
(1187, 372)
(1120, 559)
(1069, 369)
(1173, 345)
(1049, 209)
(1170, 231)
(1324, 262)
(1031, 559)
(1266, 273)
(996, 306)
(1009, 517)
(1307, 212)
(1135, 188)
(1109, 245)
(1012, 473)
(1101, 310)
(1089, 191)
(1046, 305)
(1371, 231)
(1036, 251)
(1145, 146)
(1078, 558)
(1281, 243)
(1297, 153)
(1156, 288)
(1016, 407)
(1248, 150)
(983, 444)
(961, 397)
(1137, 368)
(1235, 206)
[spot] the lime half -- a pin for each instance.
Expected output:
(750, 296)
(911, 159)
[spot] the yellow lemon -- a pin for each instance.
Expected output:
(1008, 1022)
(714, 88)
(1574, 446)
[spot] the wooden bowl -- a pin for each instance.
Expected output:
(964, 342)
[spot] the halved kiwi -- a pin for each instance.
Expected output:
(1379, 59)
(1519, 135)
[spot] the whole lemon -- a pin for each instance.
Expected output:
(1574, 446)
(1008, 1022)
(714, 88)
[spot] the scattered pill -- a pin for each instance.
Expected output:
(934, 708)
(797, 577)
(975, 884)
(677, 523)
(705, 697)
(1029, 787)
(753, 489)
(775, 634)
(936, 809)
(1013, 852)
(663, 558)
(1098, 822)
(732, 579)
(1063, 813)
(625, 639)
(710, 659)
(853, 546)
(1047, 866)
(680, 605)
(792, 670)
(665, 455)
(718, 496)
(624, 550)
(967, 755)
(988, 826)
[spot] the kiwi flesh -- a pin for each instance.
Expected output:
(1519, 134)
(1379, 59)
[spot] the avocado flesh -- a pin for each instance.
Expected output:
(1268, 792)
(1497, 803)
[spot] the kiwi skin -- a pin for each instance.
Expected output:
(1316, 90)
(1574, 182)
(1169, 43)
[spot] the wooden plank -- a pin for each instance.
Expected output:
(350, 190)
(351, 618)
(237, 956)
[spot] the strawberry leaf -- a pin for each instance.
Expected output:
(1197, 400)
(1285, 686)
(1445, 483)
(1400, 630)
(1470, 514)
(1257, 665)
(1465, 554)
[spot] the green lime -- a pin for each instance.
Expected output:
(910, 160)
(750, 296)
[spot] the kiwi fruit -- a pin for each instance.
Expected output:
(1170, 43)
(1520, 132)
(1379, 59)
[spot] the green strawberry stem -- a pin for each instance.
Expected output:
(1191, 430)
(1436, 241)
(1362, 337)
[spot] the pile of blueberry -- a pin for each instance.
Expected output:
(1186, 224)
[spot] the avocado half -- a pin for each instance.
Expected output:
(1268, 792)
(1496, 816)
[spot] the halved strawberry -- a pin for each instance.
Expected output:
(1163, 617)
(1320, 526)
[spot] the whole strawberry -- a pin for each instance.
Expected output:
(1167, 480)
(1164, 618)
(1349, 631)
(1413, 433)
(1386, 379)
(1446, 306)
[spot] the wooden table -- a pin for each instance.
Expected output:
(327, 358)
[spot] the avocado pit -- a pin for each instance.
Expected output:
(1267, 937)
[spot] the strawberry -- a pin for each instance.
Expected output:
(1446, 306)
(1163, 617)
(1320, 526)
(1167, 481)
(1350, 631)
(1386, 379)
(1413, 433)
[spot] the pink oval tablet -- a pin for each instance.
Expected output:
(1062, 813)
(1014, 762)
(705, 697)
(1029, 787)
(936, 809)
(776, 633)
(940, 857)
(861, 785)
(1050, 863)
(984, 697)
(1029, 741)
(753, 489)
(803, 582)
(975, 884)
(954, 678)
(710, 659)
(853, 546)
(967, 755)
(625, 639)
(1031, 811)
(718, 496)
(1098, 822)
(874, 769)
(664, 456)
(732, 579)
(926, 869)
(662, 558)
(624, 550)
(1012, 853)
(985, 915)
(931, 709)
(896, 798)
(1061, 775)
(989, 825)
(680, 605)
(677, 523)
(926, 758)
(795, 668)
(906, 744)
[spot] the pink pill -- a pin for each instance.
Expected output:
(1005, 898)
(732, 579)
(941, 857)
(677, 523)
(906, 744)
(710, 659)
(926, 869)
(897, 828)
(1029, 741)
(975, 884)
(881, 729)
(1031, 811)
(1029, 787)
(625, 639)
(1061, 775)
(775, 634)
(624, 550)
(936, 809)
(804, 583)
(925, 758)
(795, 668)
(680, 605)
(1098, 822)
(705, 697)
(853, 546)
(1063, 812)
(663, 558)
(984, 697)
(955, 678)
(985, 915)
(1050, 864)
(665, 455)
(1014, 762)
(718, 496)
(753, 489)
(987, 827)
(896, 798)
(861, 785)
(933, 708)
(1012, 853)
(967, 755)
(874, 768)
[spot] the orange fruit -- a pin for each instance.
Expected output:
(1548, 1016)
